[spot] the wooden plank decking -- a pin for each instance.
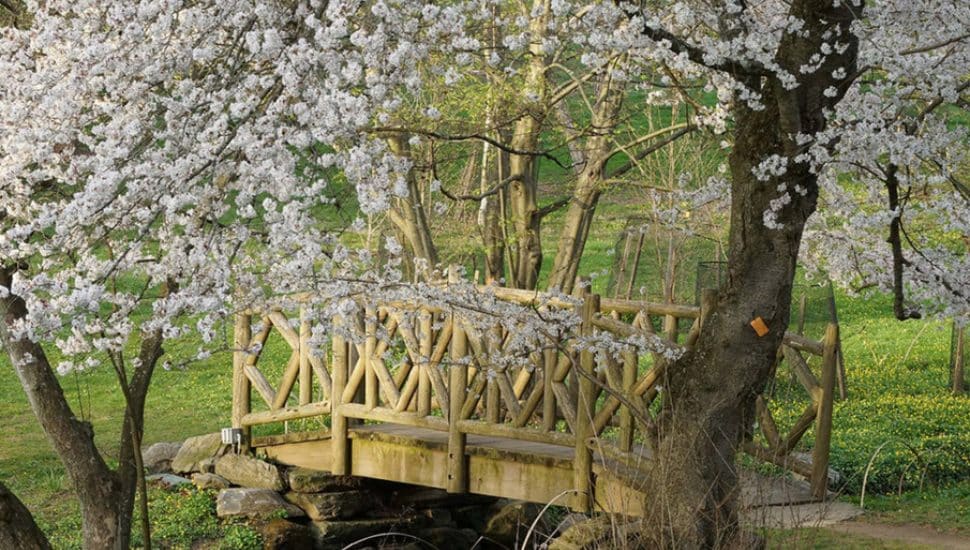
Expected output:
(500, 467)
(523, 470)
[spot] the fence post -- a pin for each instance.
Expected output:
(306, 374)
(339, 442)
(583, 463)
(424, 376)
(823, 422)
(371, 388)
(630, 360)
(839, 357)
(241, 386)
(458, 382)
(958, 370)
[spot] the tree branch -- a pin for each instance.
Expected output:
(466, 137)
(697, 55)
(488, 193)
(550, 208)
(624, 168)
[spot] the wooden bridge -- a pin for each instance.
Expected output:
(427, 396)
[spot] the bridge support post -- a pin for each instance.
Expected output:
(583, 464)
(339, 442)
(457, 462)
(241, 386)
(458, 382)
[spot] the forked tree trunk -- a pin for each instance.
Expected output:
(408, 215)
(131, 472)
(582, 206)
(17, 527)
(97, 487)
(710, 392)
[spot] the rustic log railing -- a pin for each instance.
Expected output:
(431, 368)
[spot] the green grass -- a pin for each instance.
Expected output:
(823, 539)
(943, 508)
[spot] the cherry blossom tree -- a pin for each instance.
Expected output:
(163, 164)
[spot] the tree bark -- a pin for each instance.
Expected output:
(709, 400)
(523, 193)
(586, 193)
(408, 215)
(495, 166)
(17, 527)
(98, 488)
(131, 472)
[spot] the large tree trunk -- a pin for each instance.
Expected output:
(526, 242)
(524, 210)
(97, 487)
(17, 527)
(710, 392)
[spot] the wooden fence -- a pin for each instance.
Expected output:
(430, 367)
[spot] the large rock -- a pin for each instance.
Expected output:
(577, 532)
(280, 534)
(835, 477)
(337, 534)
(210, 481)
(168, 481)
(254, 503)
(511, 520)
(323, 506)
(448, 537)
(195, 450)
(602, 531)
(249, 472)
(305, 480)
(157, 458)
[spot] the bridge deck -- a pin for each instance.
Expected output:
(499, 467)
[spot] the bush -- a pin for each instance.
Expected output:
(240, 537)
(182, 516)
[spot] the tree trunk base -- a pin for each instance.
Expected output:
(17, 526)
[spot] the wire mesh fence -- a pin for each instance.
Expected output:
(655, 264)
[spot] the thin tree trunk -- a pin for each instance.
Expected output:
(97, 487)
(17, 527)
(575, 231)
(490, 213)
(131, 471)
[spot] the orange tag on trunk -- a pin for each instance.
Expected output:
(759, 326)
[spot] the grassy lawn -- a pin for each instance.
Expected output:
(898, 404)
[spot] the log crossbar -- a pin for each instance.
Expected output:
(428, 368)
